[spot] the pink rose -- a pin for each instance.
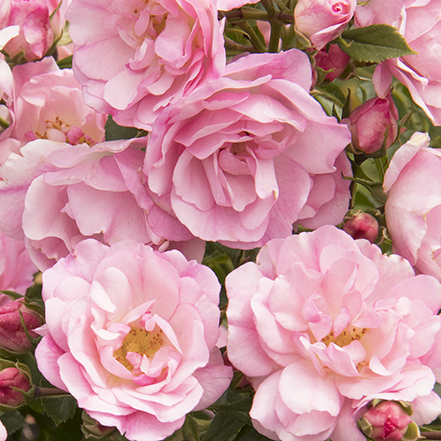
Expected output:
(3, 432)
(322, 325)
(16, 267)
(323, 20)
(243, 158)
(131, 334)
(55, 195)
(420, 24)
(47, 103)
(146, 54)
(413, 206)
(36, 25)
(227, 5)
(369, 122)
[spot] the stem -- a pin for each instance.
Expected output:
(50, 392)
(255, 40)
(430, 435)
(268, 5)
(276, 26)
(231, 45)
(254, 14)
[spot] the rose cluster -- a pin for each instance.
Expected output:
(148, 147)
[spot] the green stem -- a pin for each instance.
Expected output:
(247, 13)
(232, 46)
(276, 26)
(430, 435)
(50, 392)
(269, 7)
(255, 40)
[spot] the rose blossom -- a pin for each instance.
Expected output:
(322, 20)
(227, 5)
(131, 334)
(243, 158)
(36, 25)
(322, 325)
(55, 195)
(47, 103)
(413, 206)
(420, 24)
(16, 267)
(145, 55)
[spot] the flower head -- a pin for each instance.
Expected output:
(322, 325)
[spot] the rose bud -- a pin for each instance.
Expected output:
(322, 20)
(369, 122)
(361, 226)
(334, 60)
(15, 382)
(388, 420)
(91, 428)
(13, 336)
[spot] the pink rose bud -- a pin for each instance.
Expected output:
(361, 226)
(13, 336)
(388, 421)
(369, 122)
(11, 379)
(322, 20)
(334, 60)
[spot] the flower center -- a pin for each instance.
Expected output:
(61, 131)
(142, 342)
(348, 335)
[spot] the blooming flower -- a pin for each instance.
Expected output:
(323, 20)
(413, 206)
(47, 103)
(420, 24)
(322, 325)
(131, 334)
(146, 54)
(55, 195)
(243, 158)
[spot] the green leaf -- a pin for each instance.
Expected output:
(190, 429)
(59, 410)
(13, 421)
(222, 428)
(65, 63)
(333, 93)
(249, 433)
(115, 131)
(374, 44)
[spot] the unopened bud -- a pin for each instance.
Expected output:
(361, 226)
(389, 421)
(15, 383)
(370, 122)
(17, 321)
(91, 428)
